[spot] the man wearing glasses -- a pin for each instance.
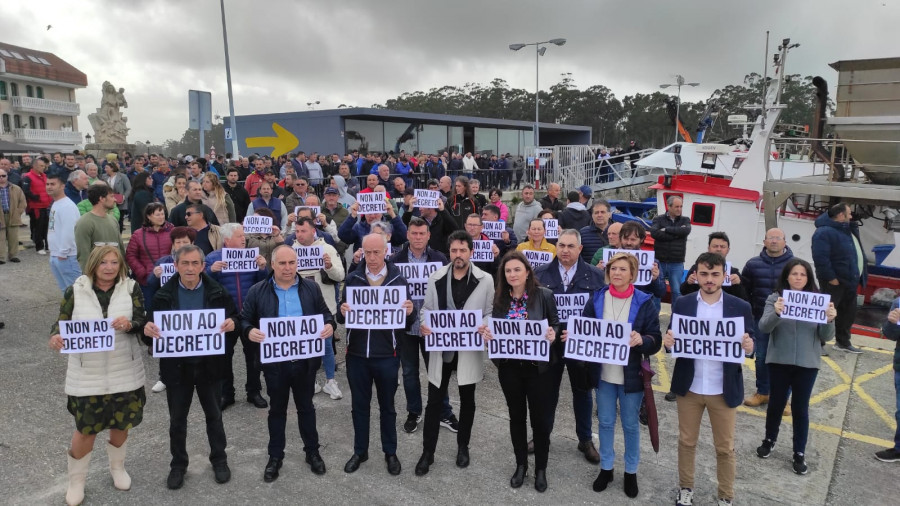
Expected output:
(298, 196)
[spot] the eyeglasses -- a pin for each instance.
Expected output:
(3, 176)
(190, 214)
(98, 244)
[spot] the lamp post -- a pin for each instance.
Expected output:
(540, 49)
(234, 134)
(679, 82)
(147, 142)
(312, 105)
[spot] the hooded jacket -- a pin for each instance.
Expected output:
(524, 214)
(834, 252)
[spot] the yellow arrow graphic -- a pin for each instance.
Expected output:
(282, 143)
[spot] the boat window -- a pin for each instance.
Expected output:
(703, 214)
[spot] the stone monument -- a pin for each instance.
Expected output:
(110, 129)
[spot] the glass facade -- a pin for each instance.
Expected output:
(384, 136)
(456, 139)
(433, 138)
(400, 136)
(364, 135)
(508, 142)
(486, 141)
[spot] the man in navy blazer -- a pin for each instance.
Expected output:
(700, 384)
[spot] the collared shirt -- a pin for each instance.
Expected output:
(567, 275)
(413, 259)
(288, 299)
(4, 198)
(375, 276)
(708, 375)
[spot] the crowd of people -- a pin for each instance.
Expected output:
(184, 211)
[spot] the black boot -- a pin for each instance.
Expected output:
(425, 460)
(540, 480)
(519, 476)
(603, 479)
(631, 487)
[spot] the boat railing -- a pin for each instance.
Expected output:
(834, 157)
(572, 166)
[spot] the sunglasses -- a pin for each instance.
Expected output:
(190, 214)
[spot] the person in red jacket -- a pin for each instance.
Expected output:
(34, 185)
(147, 245)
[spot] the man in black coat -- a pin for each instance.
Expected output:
(238, 194)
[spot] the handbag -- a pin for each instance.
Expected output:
(120, 199)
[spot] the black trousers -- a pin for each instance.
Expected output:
(283, 378)
(251, 359)
(39, 222)
(435, 405)
(844, 298)
(528, 391)
(179, 398)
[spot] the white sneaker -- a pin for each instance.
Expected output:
(331, 388)
(42, 252)
(158, 387)
(317, 389)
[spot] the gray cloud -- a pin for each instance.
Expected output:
(286, 53)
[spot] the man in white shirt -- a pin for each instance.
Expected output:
(61, 233)
(703, 384)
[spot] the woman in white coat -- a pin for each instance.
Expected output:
(105, 389)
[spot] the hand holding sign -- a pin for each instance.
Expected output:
(719, 339)
(804, 306)
(87, 336)
(599, 341)
(255, 224)
(519, 339)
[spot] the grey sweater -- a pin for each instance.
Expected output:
(793, 342)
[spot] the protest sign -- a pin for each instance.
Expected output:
(427, 199)
(493, 229)
(316, 210)
(522, 339)
(309, 257)
(453, 330)
(240, 259)
(255, 224)
(168, 270)
(645, 263)
(537, 258)
(291, 338)
(716, 339)
(190, 333)
(600, 341)
(417, 277)
(727, 281)
(371, 203)
(551, 229)
(87, 336)
(482, 251)
(388, 251)
(805, 306)
(570, 304)
(376, 307)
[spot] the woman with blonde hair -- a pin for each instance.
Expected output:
(175, 190)
(215, 198)
(105, 389)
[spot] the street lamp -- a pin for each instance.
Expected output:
(540, 49)
(148, 150)
(679, 82)
(312, 105)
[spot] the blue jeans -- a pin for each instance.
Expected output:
(283, 379)
(409, 347)
(897, 413)
(328, 359)
(362, 372)
(65, 271)
(630, 405)
(673, 272)
(785, 379)
(762, 370)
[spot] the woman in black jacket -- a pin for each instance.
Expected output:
(141, 195)
(527, 385)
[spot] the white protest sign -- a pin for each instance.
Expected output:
(645, 263)
(494, 229)
(168, 270)
(87, 336)
(805, 306)
(453, 330)
(388, 251)
(482, 251)
(600, 341)
(551, 229)
(727, 281)
(192, 333)
(371, 203)
(376, 307)
(427, 199)
(708, 338)
(255, 224)
(240, 259)
(522, 339)
(570, 304)
(316, 210)
(536, 258)
(417, 277)
(291, 338)
(309, 257)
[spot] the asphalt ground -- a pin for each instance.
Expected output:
(852, 417)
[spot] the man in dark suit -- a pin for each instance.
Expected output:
(703, 384)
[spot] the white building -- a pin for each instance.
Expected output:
(37, 99)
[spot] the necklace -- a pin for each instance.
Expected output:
(618, 313)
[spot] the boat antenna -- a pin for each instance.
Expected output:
(765, 81)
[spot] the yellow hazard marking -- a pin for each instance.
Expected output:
(888, 419)
(662, 371)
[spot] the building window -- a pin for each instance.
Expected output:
(42, 123)
(29, 90)
(366, 136)
(32, 122)
(14, 89)
(703, 214)
(486, 141)
(3, 95)
(17, 120)
(40, 91)
(401, 136)
(6, 125)
(508, 142)
(433, 138)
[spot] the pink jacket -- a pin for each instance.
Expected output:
(145, 248)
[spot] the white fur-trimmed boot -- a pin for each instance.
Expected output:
(117, 466)
(78, 469)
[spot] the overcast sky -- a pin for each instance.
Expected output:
(285, 53)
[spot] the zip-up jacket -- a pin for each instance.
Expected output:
(373, 343)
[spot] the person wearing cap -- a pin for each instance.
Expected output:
(333, 208)
(575, 215)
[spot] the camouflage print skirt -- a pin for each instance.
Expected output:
(94, 413)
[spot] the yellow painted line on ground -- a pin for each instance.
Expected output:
(888, 419)
(662, 371)
(832, 364)
(827, 394)
(862, 378)
(750, 363)
(877, 441)
(878, 350)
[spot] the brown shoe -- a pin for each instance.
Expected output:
(589, 451)
(756, 399)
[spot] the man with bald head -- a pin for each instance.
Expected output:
(551, 199)
(759, 277)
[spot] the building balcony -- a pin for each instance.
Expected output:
(33, 135)
(44, 106)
